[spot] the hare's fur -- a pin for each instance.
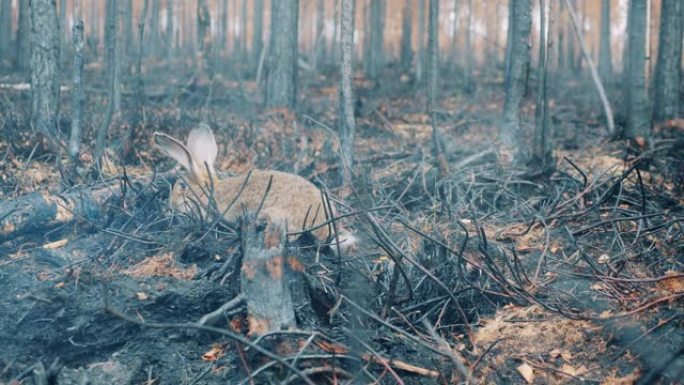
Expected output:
(291, 200)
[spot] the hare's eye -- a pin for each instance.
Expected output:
(183, 186)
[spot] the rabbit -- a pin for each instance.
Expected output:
(292, 201)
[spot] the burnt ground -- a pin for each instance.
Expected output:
(574, 277)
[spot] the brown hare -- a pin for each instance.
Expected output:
(291, 201)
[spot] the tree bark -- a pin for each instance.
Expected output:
(169, 29)
(433, 75)
(111, 49)
(469, 83)
(44, 67)
(5, 28)
(24, 36)
(319, 40)
(258, 35)
(129, 32)
(541, 151)
(347, 122)
(421, 62)
(510, 136)
(154, 28)
(635, 77)
(406, 54)
(605, 56)
(668, 66)
(203, 35)
(281, 81)
(377, 28)
(77, 92)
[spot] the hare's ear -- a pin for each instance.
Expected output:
(175, 149)
(202, 147)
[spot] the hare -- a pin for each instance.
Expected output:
(291, 201)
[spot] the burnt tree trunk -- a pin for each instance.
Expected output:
(24, 36)
(258, 35)
(377, 27)
(605, 56)
(510, 136)
(455, 57)
(203, 34)
(44, 68)
(281, 81)
(77, 92)
(668, 66)
(154, 28)
(111, 50)
(406, 31)
(421, 61)
(469, 56)
(347, 122)
(266, 276)
(5, 28)
(168, 39)
(635, 77)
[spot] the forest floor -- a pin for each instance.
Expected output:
(576, 277)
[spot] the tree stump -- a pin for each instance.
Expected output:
(266, 276)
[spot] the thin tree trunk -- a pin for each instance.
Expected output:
(77, 97)
(44, 68)
(433, 75)
(511, 139)
(635, 80)
(110, 46)
(594, 73)
(377, 26)
(668, 66)
(203, 35)
(63, 34)
(605, 56)
(24, 36)
(347, 122)
(5, 28)
(243, 32)
(281, 81)
(154, 28)
(169, 28)
(319, 40)
(258, 35)
(454, 40)
(129, 31)
(469, 83)
(541, 151)
(421, 62)
(406, 29)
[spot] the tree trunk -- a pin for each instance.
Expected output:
(5, 28)
(454, 40)
(203, 34)
(377, 27)
(433, 75)
(223, 27)
(44, 67)
(258, 35)
(281, 81)
(668, 66)
(243, 33)
(605, 56)
(154, 28)
(406, 29)
(168, 39)
(469, 83)
(24, 36)
(541, 151)
(318, 40)
(421, 62)
(111, 55)
(635, 79)
(510, 136)
(77, 93)
(347, 122)
(129, 32)
(63, 34)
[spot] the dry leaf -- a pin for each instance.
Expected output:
(213, 354)
(526, 372)
(141, 296)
